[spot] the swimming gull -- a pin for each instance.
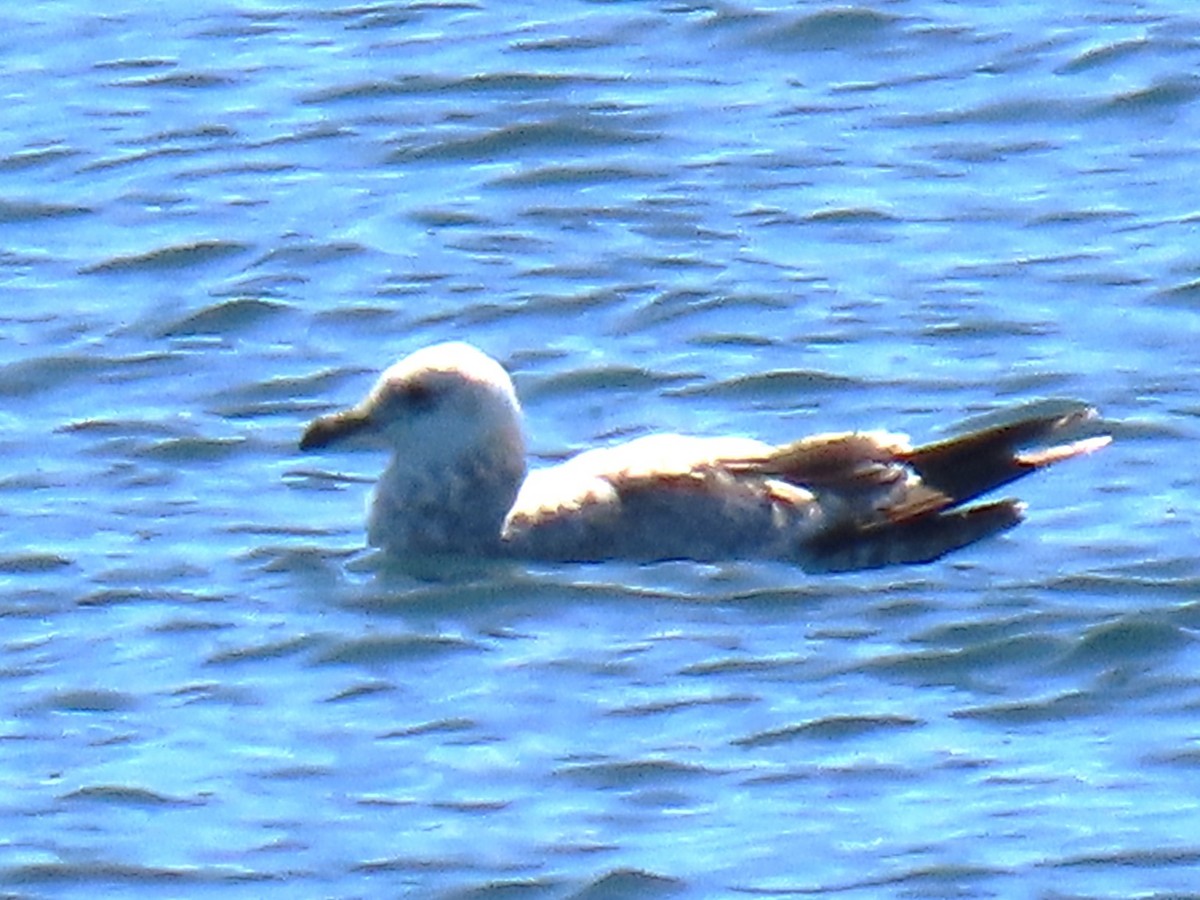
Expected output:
(457, 482)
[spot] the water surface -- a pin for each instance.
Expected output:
(219, 220)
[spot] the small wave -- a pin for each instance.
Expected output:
(855, 215)
(1185, 295)
(32, 562)
(301, 255)
(779, 383)
(743, 666)
(655, 708)
(1104, 55)
(1060, 708)
(101, 875)
(574, 175)
(599, 378)
(538, 83)
(135, 63)
(1129, 638)
(517, 140)
(394, 648)
(12, 211)
(1145, 859)
(264, 651)
(28, 377)
(89, 700)
(176, 256)
(192, 449)
(188, 80)
(625, 775)
(1164, 94)
(118, 596)
(630, 883)
(847, 28)
(831, 728)
(961, 665)
(226, 317)
(124, 795)
(29, 159)
(440, 726)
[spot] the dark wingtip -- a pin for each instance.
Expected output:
(979, 461)
(921, 540)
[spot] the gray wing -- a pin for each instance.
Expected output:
(886, 503)
(659, 497)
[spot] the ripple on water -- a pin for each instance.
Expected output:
(40, 374)
(125, 795)
(1129, 639)
(568, 134)
(27, 211)
(155, 878)
(703, 218)
(849, 28)
(170, 258)
(830, 728)
(395, 648)
(625, 775)
(32, 562)
(226, 318)
(89, 700)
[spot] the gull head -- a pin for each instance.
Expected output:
(438, 405)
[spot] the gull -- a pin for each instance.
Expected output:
(457, 482)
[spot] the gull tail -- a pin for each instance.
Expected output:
(930, 519)
(963, 468)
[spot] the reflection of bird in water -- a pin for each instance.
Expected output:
(457, 482)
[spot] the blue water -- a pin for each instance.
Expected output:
(218, 220)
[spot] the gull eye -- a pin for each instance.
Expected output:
(418, 396)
